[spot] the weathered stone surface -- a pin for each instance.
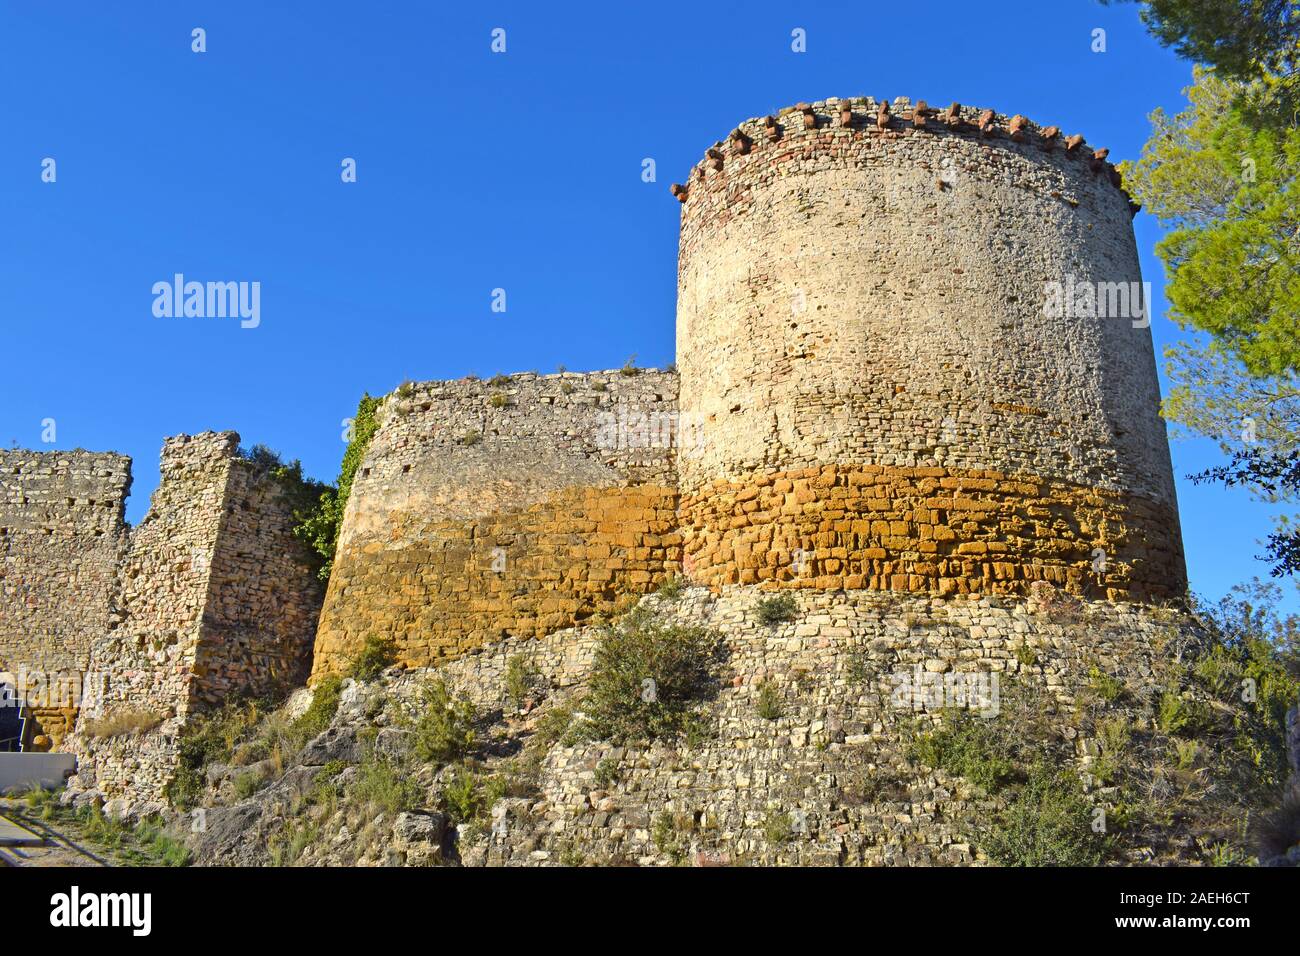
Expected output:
(209, 597)
(334, 743)
(563, 502)
(835, 310)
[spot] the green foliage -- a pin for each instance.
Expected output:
(302, 494)
(1178, 714)
(147, 843)
(647, 678)
(778, 827)
(248, 783)
(1047, 822)
(521, 678)
(860, 668)
(384, 785)
(471, 438)
(670, 836)
(769, 702)
(1231, 197)
(777, 609)
(445, 729)
(158, 847)
(1224, 854)
(607, 773)
(319, 521)
(1254, 41)
(208, 738)
(320, 713)
(1105, 686)
(1255, 666)
(377, 653)
(671, 587)
(469, 797)
(499, 400)
(968, 746)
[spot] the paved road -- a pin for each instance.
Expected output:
(25, 841)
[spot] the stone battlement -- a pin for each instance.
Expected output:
(825, 123)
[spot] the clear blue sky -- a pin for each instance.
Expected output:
(475, 171)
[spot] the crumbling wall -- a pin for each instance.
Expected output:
(217, 601)
(62, 534)
(263, 599)
(511, 507)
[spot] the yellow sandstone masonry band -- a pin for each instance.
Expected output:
(441, 588)
(933, 530)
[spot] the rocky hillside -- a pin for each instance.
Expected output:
(750, 728)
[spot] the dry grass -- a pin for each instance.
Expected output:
(121, 724)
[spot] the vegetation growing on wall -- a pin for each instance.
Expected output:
(319, 524)
(647, 678)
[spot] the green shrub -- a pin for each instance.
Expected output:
(320, 713)
(306, 499)
(499, 400)
(469, 798)
(1047, 823)
(158, 847)
(1178, 714)
(208, 738)
(647, 677)
(521, 678)
(248, 783)
(445, 728)
(384, 785)
(376, 654)
(671, 588)
(607, 773)
(970, 747)
(777, 609)
(778, 827)
(1105, 686)
(471, 437)
(670, 836)
(317, 522)
(769, 701)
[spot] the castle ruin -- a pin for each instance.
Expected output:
(871, 407)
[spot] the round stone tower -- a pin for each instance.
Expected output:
(914, 355)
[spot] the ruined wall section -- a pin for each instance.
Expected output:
(867, 292)
(263, 600)
(216, 602)
(510, 507)
(62, 534)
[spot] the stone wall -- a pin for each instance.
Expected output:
(62, 535)
(214, 598)
(516, 506)
(935, 530)
(870, 292)
(857, 675)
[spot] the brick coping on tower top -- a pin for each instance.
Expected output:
(890, 120)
